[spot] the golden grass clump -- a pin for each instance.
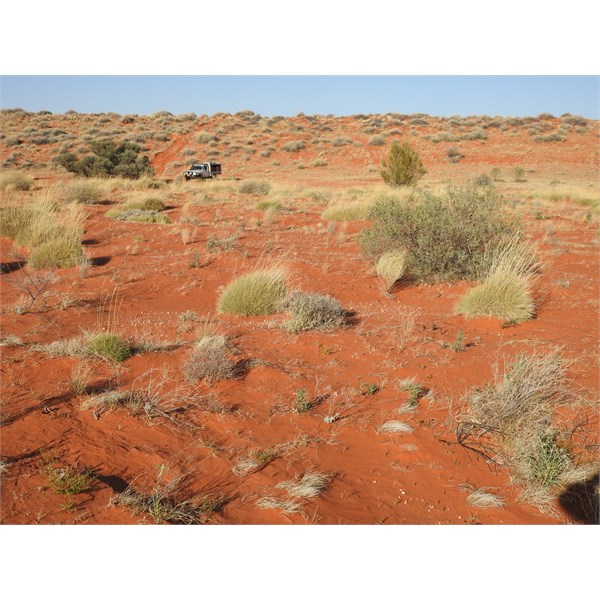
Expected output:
(354, 210)
(391, 266)
(52, 231)
(84, 192)
(505, 293)
(14, 180)
(256, 293)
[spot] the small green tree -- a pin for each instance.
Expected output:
(402, 166)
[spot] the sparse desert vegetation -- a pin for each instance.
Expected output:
(366, 319)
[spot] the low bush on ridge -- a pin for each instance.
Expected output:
(445, 235)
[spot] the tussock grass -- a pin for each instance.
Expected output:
(505, 293)
(394, 427)
(14, 180)
(256, 293)
(391, 266)
(52, 231)
(163, 505)
(356, 210)
(84, 192)
(285, 505)
(139, 216)
(309, 485)
(501, 295)
(257, 188)
(109, 346)
(55, 254)
(482, 499)
(312, 311)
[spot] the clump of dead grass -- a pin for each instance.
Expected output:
(391, 266)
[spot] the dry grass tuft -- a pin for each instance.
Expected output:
(482, 499)
(391, 266)
(309, 485)
(284, 505)
(395, 427)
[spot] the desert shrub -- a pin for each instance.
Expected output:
(204, 137)
(376, 140)
(259, 188)
(341, 141)
(108, 160)
(55, 254)
(85, 192)
(402, 166)
(294, 146)
(312, 311)
(466, 218)
(209, 360)
(477, 134)
(391, 266)
(318, 162)
(109, 346)
(13, 180)
(443, 136)
(256, 293)
(454, 154)
(517, 411)
(519, 173)
(68, 481)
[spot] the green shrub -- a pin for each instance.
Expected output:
(257, 293)
(312, 311)
(519, 173)
(259, 188)
(293, 146)
(108, 160)
(69, 481)
(15, 181)
(109, 346)
(402, 166)
(55, 254)
(445, 235)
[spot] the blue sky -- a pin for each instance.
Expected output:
(289, 95)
